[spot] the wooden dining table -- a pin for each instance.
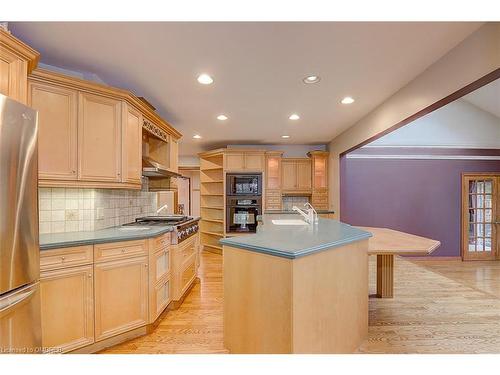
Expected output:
(385, 244)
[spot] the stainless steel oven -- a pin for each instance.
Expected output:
(244, 184)
(241, 213)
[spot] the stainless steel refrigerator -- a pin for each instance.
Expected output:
(20, 327)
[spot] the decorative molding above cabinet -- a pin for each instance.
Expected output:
(90, 135)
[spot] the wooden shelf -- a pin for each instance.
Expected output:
(214, 246)
(213, 207)
(211, 169)
(213, 233)
(212, 195)
(212, 182)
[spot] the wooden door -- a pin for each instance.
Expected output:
(13, 76)
(121, 296)
(480, 216)
(254, 162)
(57, 134)
(235, 161)
(99, 143)
(288, 175)
(67, 308)
(304, 175)
(132, 145)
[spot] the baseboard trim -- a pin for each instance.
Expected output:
(111, 341)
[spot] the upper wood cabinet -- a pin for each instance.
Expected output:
(174, 154)
(273, 170)
(319, 161)
(99, 138)
(296, 175)
(131, 144)
(57, 130)
(17, 60)
(248, 161)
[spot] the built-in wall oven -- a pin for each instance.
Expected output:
(241, 213)
(244, 184)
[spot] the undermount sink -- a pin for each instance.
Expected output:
(289, 222)
(133, 229)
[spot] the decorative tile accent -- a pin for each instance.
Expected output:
(70, 210)
(289, 202)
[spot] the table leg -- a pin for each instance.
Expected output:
(385, 275)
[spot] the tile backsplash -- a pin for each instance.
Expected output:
(71, 209)
(290, 201)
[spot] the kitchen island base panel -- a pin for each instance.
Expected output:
(312, 304)
(385, 275)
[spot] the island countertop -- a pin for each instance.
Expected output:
(114, 234)
(294, 241)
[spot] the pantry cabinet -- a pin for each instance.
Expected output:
(17, 60)
(121, 296)
(99, 140)
(57, 135)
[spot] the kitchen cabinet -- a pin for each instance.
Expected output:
(99, 133)
(247, 161)
(57, 130)
(17, 60)
(121, 296)
(185, 263)
(174, 154)
(320, 191)
(272, 199)
(296, 175)
(159, 276)
(132, 145)
(67, 298)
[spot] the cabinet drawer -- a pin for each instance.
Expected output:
(161, 242)
(119, 250)
(187, 249)
(67, 257)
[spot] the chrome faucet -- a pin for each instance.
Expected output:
(164, 207)
(310, 215)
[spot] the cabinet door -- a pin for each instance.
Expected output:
(304, 177)
(121, 296)
(57, 134)
(254, 162)
(289, 175)
(273, 172)
(67, 308)
(13, 76)
(99, 131)
(320, 172)
(132, 145)
(160, 298)
(235, 162)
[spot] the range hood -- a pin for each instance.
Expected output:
(153, 169)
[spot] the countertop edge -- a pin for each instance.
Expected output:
(299, 254)
(126, 237)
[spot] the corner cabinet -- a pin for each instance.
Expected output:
(57, 137)
(17, 60)
(99, 130)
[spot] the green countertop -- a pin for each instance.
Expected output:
(291, 241)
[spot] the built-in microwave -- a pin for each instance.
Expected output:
(244, 184)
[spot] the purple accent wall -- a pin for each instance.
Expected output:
(422, 197)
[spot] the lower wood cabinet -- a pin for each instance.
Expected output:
(121, 296)
(159, 298)
(67, 308)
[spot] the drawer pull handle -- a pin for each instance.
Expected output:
(123, 250)
(89, 275)
(63, 258)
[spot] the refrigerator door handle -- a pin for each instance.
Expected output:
(7, 303)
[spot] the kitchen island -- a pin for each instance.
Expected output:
(296, 288)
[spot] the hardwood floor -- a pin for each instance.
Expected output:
(438, 307)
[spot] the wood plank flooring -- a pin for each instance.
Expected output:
(438, 307)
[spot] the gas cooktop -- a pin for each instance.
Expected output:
(161, 220)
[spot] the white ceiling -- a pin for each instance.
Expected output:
(257, 68)
(487, 98)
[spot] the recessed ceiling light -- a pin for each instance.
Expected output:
(205, 79)
(197, 136)
(347, 100)
(311, 79)
(222, 117)
(294, 116)
(285, 136)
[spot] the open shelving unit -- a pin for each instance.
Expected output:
(212, 204)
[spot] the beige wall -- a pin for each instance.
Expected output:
(476, 56)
